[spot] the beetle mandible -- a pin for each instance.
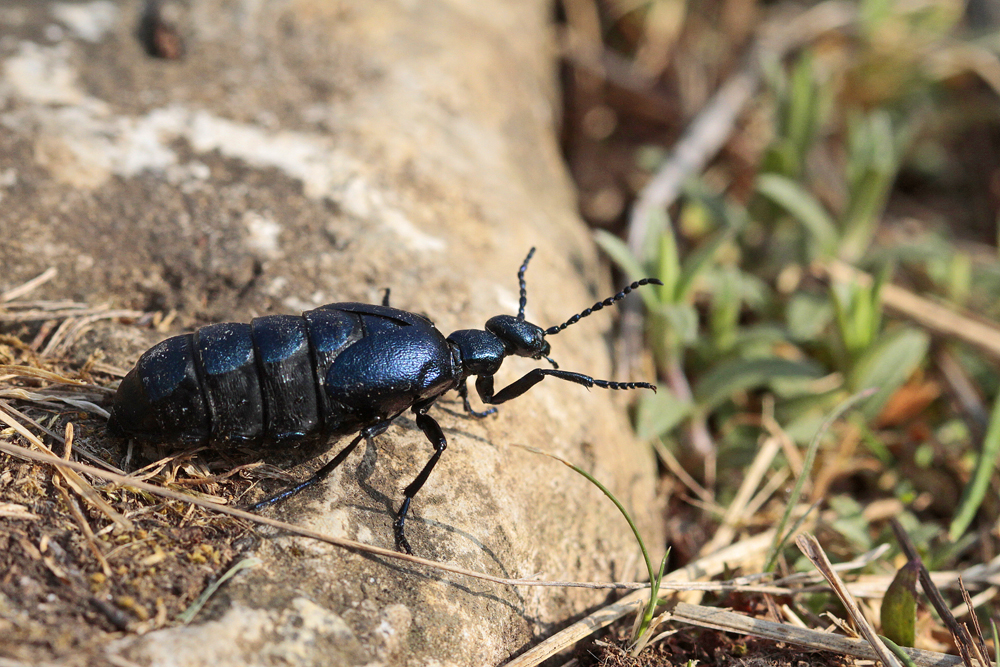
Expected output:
(342, 368)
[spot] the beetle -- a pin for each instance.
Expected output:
(340, 369)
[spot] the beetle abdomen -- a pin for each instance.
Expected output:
(225, 359)
(287, 381)
(162, 397)
(235, 382)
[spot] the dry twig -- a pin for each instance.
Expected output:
(70, 467)
(809, 546)
(728, 621)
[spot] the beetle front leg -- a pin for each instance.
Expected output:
(484, 384)
(433, 432)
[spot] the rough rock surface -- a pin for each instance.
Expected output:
(308, 151)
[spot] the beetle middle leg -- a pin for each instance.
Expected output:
(463, 391)
(434, 433)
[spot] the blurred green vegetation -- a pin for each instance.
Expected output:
(869, 162)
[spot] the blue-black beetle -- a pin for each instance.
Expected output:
(339, 369)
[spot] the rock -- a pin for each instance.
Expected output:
(311, 151)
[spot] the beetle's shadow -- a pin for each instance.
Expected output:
(362, 473)
(366, 468)
(421, 572)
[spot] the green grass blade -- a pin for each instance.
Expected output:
(780, 536)
(621, 508)
(188, 614)
(654, 578)
(975, 490)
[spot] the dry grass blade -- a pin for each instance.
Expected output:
(15, 511)
(84, 527)
(102, 312)
(25, 419)
(728, 621)
(30, 286)
(978, 600)
(675, 467)
(736, 512)
(123, 480)
(74, 327)
(707, 566)
(73, 479)
(859, 562)
(809, 546)
(57, 401)
(982, 654)
(13, 372)
(874, 585)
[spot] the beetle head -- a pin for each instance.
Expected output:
(519, 337)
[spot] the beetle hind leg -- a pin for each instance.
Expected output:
(318, 476)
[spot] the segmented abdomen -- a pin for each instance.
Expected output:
(237, 382)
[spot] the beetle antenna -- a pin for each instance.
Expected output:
(523, 285)
(601, 304)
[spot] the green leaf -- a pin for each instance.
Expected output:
(899, 606)
(660, 413)
(728, 378)
(803, 107)
(888, 364)
(781, 157)
(858, 309)
(959, 277)
(802, 206)
(732, 217)
(807, 315)
(683, 320)
(996, 639)
(668, 265)
(850, 521)
(871, 169)
(698, 261)
(724, 315)
(620, 254)
(657, 225)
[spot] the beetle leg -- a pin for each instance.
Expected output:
(463, 391)
(433, 432)
(484, 384)
(385, 298)
(321, 474)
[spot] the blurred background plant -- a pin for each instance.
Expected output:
(818, 187)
